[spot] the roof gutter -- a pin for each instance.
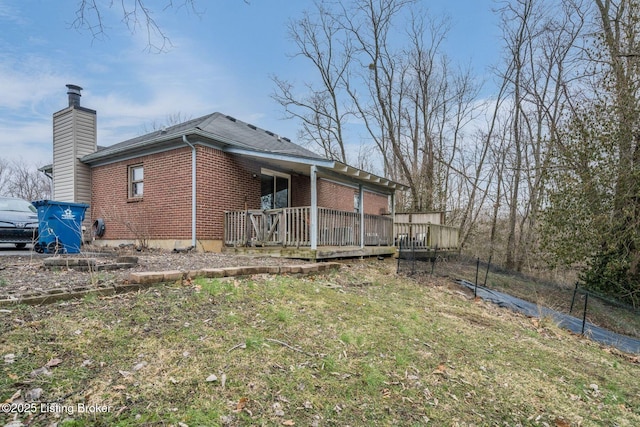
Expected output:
(193, 190)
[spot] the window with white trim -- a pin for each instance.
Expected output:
(136, 181)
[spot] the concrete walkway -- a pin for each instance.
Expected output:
(574, 324)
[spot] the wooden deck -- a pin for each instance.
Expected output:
(323, 252)
(288, 233)
(291, 228)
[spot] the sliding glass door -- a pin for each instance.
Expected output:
(275, 190)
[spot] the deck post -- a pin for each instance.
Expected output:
(361, 203)
(313, 217)
(393, 219)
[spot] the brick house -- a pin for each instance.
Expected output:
(216, 183)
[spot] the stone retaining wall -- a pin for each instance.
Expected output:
(142, 280)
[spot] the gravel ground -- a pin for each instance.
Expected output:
(26, 274)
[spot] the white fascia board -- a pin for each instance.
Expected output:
(371, 183)
(281, 157)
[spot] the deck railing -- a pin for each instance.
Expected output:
(426, 236)
(290, 227)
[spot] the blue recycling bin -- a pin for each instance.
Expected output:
(60, 226)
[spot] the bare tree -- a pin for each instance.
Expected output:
(26, 182)
(410, 99)
(540, 42)
(480, 181)
(594, 211)
(517, 39)
(4, 176)
(386, 75)
(136, 15)
(169, 120)
(321, 111)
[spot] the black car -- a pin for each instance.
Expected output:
(18, 222)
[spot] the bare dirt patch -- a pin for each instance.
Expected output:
(28, 274)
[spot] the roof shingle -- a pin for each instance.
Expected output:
(218, 127)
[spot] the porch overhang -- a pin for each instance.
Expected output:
(325, 168)
(349, 174)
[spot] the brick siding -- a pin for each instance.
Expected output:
(336, 196)
(166, 192)
(225, 182)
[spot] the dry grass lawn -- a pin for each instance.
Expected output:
(360, 346)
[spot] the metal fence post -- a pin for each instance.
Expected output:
(475, 289)
(486, 274)
(433, 260)
(413, 257)
(584, 315)
(573, 300)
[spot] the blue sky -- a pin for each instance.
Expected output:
(221, 61)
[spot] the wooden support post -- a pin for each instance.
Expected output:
(314, 207)
(361, 203)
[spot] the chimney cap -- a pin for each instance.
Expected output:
(74, 95)
(74, 89)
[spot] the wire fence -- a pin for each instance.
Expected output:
(568, 298)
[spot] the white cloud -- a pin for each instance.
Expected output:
(128, 88)
(26, 84)
(30, 141)
(8, 12)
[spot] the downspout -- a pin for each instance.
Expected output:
(193, 191)
(50, 182)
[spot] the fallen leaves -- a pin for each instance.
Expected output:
(53, 363)
(139, 366)
(214, 378)
(242, 403)
(15, 396)
(33, 395)
(440, 370)
(40, 371)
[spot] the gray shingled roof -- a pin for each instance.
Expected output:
(236, 136)
(224, 130)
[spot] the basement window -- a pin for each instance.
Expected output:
(136, 181)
